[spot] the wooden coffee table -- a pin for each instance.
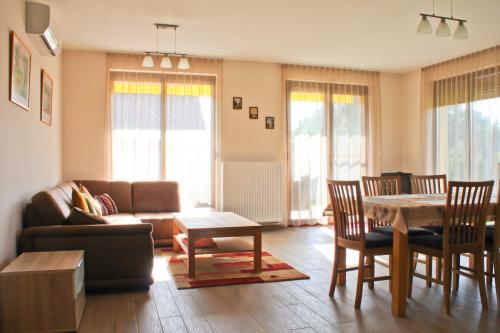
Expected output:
(206, 223)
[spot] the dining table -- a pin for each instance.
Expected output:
(402, 212)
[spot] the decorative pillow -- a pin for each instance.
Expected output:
(108, 206)
(80, 217)
(202, 242)
(92, 203)
(79, 201)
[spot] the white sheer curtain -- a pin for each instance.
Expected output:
(461, 104)
(190, 137)
(136, 126)
(163, 127)
(333, 121)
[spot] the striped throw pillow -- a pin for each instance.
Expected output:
(108, 206)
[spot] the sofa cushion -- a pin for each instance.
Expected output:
(121, 218)
(162, 224)
(107, 204)
(52, 207)
(152, 197)
(80, 217)
(121, 192)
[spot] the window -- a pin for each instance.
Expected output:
(163, 128)
(324, 118)
(467, 126)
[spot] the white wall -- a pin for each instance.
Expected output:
(30, 150)
(392, 114)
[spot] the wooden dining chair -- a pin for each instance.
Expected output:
(350, 233)
(386, 185)
(429, 184)
(463, 232)
(492, 247)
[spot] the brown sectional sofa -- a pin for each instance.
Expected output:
(118, 254)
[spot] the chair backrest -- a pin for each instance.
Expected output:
(385, 185)
(347, 206)
(466, 208)
(430, 184)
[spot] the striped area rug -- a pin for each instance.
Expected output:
(223, 269)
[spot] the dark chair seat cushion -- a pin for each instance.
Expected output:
(489, 235)
(436, 229)
(412, 232)
(434, 241)
(375, 240)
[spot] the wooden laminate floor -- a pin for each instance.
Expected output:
(296, 306)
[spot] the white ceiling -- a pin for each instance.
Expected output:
(369, 34)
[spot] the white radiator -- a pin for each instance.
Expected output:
(253, 190)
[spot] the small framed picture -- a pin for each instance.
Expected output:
(237, 103)
(19, 72)
(253, 112)
(269, 122)
(46, 98)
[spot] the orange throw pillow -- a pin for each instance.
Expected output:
(202, 242)
(93, 204)
(79, 201)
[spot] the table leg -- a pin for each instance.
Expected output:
(191, 257)
(342, 264)
(175, 244)
(257, 252)
(399, 273)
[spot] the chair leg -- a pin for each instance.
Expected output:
(359, 287)
(489, 268)
(411, 269)
(428, 270)
(456, 266)
(479, 266)
(335, 271)
(439, 269)
(496, 268)
(447, 282)
(370, 272)
(415, 262)
(390, 272)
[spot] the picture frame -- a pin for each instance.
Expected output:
(253, 112)
(269, 122)
(237, 103)
(46, 91)
(19, 72)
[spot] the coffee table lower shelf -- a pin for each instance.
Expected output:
(224, 245)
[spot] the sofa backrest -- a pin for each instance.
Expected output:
(51, 207)
(158, 196)
(120, 192)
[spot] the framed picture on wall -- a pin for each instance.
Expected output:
(19, 72)
(253, 112)
(47, 85)
(237, 103)
(269, 122)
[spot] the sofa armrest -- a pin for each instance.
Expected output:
(113, 253)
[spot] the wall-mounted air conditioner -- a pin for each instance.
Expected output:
(40, 28)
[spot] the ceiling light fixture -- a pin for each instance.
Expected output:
(166, 61)
(443, 29)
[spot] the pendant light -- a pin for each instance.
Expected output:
(183, 63)
(424, 27)
(166, 62)
(443, 29)
(461, 31)
(148, 61)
